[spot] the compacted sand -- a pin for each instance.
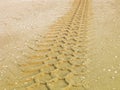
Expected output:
(59, 45)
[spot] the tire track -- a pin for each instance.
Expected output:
(57, 62)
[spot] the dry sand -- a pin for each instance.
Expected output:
(71, 45)
(23, 18)
(105, 54)
(20, 21)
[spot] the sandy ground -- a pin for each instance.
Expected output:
(20, 24)
(23, 18)
(105, 53)
(21, 21)
(79, 51)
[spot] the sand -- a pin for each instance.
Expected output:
(23, 18)
(52, 61)
(76, 49)
(104, 64)
(21, 21)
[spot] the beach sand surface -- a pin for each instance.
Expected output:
(59, 45)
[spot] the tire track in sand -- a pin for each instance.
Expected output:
(57, 62)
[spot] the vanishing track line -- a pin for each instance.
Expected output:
(57, 62)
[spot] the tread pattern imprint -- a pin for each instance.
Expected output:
(57, 60)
